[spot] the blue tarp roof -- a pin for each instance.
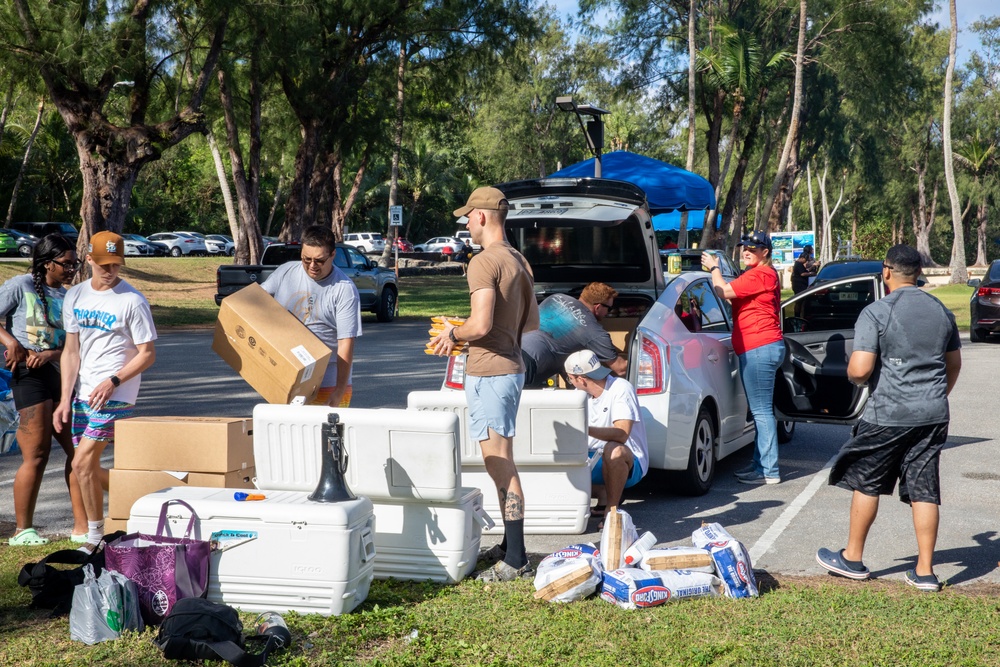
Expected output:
(667, 187)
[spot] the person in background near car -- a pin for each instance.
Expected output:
(670, 243)
(907, 349)
(567, 325)
(109, 343)
(34, 344)
(757, 340)
(503, 307)
(618, 450)
(803, 269)
(324, 299)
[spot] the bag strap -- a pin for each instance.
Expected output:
(232, 653)
(162, 524)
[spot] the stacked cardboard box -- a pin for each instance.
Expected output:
(153, 453)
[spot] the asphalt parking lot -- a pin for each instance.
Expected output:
(781, 525)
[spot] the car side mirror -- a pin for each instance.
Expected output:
(974, 282)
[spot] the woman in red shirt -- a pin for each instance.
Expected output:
(757, 340)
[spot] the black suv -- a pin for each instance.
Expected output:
(40, 229)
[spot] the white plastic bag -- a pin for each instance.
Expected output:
(103, 607)
(572, 573)
(732, 561)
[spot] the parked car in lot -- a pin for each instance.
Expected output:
(25, 242)
(366, 241)
(446, 245)
(180, 243)
(40, 229)
(689, 259)
(8, 243)
(674, 329)
(402, 245)
(158, 249)
(135, 248)
(377, 288)
(220, 244)
(984, 307)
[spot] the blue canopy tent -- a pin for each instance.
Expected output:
(671, 222)
(668, 188)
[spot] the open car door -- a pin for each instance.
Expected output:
(818, 326)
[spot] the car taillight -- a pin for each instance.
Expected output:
(649, 378)
(988, 291)
(455, 377)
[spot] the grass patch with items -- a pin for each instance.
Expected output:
(796, 621)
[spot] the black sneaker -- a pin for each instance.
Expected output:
(928, 583)
(491, 555)
(504, 572)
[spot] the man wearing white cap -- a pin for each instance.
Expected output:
(503, 307)
(109, 343)
(618, 451)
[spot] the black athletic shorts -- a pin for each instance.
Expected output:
(877, 456)
(32, 386)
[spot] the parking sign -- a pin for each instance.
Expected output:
(396, 216)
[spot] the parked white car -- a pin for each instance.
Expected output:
(446, 245)
(219, 244)
(369, 242)
(180, 243)
(676, 332)
(465, 236)
(138, 249)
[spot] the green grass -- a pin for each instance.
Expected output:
(796, 621)
(956, 299)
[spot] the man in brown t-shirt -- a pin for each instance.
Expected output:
(503, 306)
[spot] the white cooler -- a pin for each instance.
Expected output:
(550, 451)
(392, 454)
(429, 541)
(284, 553)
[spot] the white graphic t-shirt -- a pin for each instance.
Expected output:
(111, 324)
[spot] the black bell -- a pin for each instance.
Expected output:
(332, 487)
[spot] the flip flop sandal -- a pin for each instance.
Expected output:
(598, 511)
(78, 539)
(28, 537)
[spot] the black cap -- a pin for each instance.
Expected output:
(758, 239)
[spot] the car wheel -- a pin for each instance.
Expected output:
(697, 479)
(24, 250)
(175, 252)
(232, 252)
(386, 310)
(976, 335)
(786, 431)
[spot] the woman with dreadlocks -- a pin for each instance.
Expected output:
(34, 345)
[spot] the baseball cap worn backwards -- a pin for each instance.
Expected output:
(586, 363)
(487, 199)
(107, 248)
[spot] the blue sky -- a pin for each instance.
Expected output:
(969, 11)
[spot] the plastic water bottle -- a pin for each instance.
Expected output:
(635, 552)
(270, 623)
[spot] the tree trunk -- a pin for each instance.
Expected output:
(779, 177)
(299, 195)
(959, 271)
(981, 219)
(227, 193)
(342, 206)
(812, 202)
(397, 147)
(6, 107)
(923, 216)
(24, 163)
(277, 198)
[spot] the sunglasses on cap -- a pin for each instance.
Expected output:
(756, 240)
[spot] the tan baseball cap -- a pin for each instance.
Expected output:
(487, 199)
(107, 248)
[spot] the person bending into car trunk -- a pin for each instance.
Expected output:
(757, 340)
(503, 307)
(907, 350)
(34, 345)
(326, 300)
(109, 343)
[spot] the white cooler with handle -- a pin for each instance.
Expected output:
(285, 553)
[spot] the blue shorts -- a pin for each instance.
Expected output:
(493, 402)
(597, 473)
(97, 424)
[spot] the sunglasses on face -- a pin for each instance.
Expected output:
(320, 261)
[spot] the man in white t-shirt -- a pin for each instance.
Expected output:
(109, 343)
(618, 451)
(324, 299)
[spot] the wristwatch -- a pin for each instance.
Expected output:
(115, 380)
(451, 335)
(714, 268)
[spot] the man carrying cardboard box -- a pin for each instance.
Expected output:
(324, 299)
(109, 343)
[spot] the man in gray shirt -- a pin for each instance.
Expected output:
(568, 325)
(906, 348)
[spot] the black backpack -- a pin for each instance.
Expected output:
(52, 588)
(196, 629)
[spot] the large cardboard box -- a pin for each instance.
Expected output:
(186, 444)
(275, 353)
(127, 486)
(114, 525)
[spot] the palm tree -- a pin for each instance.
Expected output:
(979, 158)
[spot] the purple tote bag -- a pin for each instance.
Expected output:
(164, 569)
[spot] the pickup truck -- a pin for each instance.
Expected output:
(376, 286)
